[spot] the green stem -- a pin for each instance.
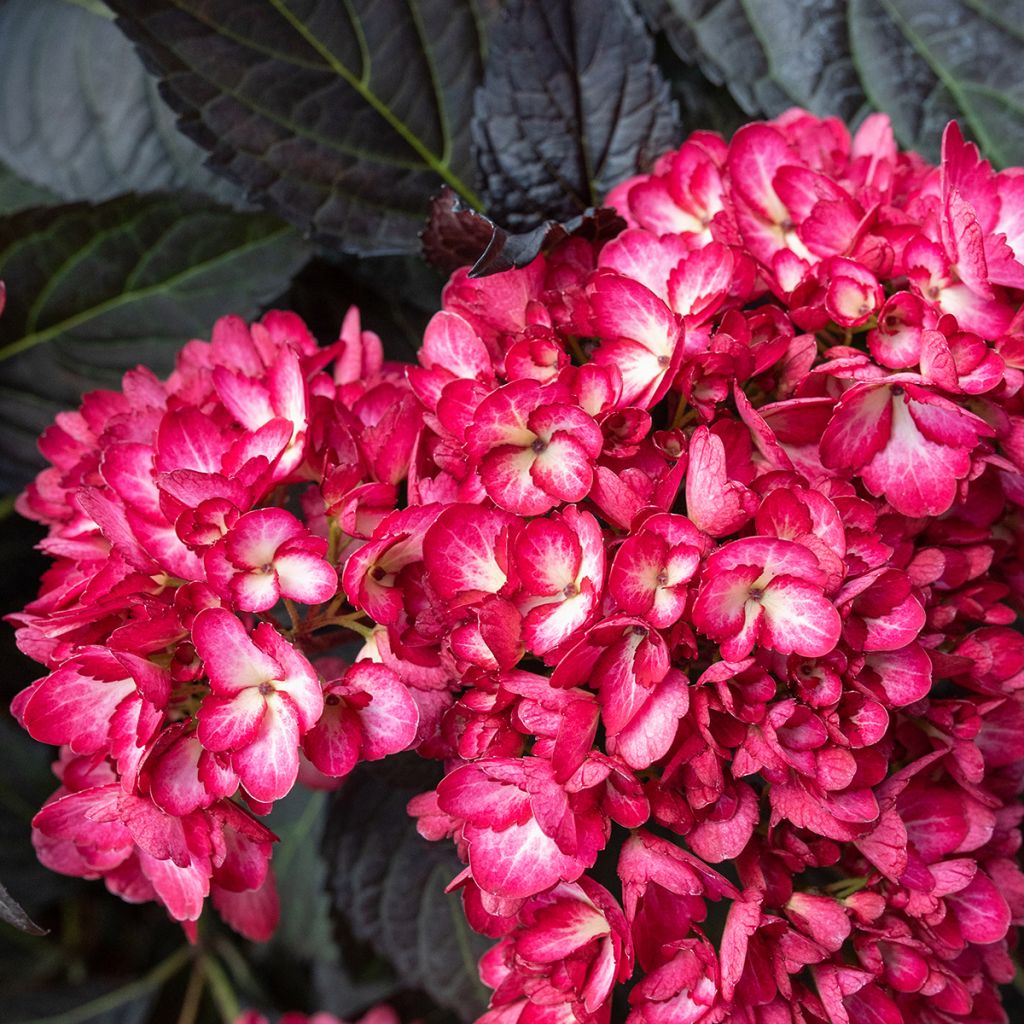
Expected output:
(221, 990)
(193, 995)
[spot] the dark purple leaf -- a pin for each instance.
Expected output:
(570, 106)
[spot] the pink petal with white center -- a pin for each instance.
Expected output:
(246, 398)
(229, 723)
(756, 153)
(254, 539)
(563, 469)
(268, 766)
(916, 476)
(306, 577)
(449, 343)
(128, 469)
(232, 661)
(634, 577)
(389, 722)
(626, 311)
(548, 557)
(559, 930)
(254, 591)
(777, 557)
(519, 861)
(798, 618)
(568, 420)
(548, 625)
(501, 417)
(701, 282)
(903, 675)
(333, 743)
(644, 257)
(75, 707)
(505, 473)
(460, 550)
(189, 439)
(859, 428)
(720, 610)
(297, 678)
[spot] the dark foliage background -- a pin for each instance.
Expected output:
(164, 162)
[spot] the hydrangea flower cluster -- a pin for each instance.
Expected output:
(701, 584)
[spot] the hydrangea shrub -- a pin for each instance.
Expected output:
(693, 555)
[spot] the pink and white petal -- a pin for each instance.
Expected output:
(645, 257)
(897, 628)
(501, 417)
(229, 723)
(505, 474)
(859, 428)
(254, 539)
(306, 578)
(633, 580)
(559, 930)
(254, 590)
(798, 618)
(714, 503)
(268, 766)
(390, 721)
(777, 557)
(519, 861)
(451, 344)
(232, 661)
(700, 284)
(174, 784)
(569, 420)
(563, 469)
(548, 625)
(903, 676)
(916, 476)
(297, 678)
(720, 609)
(548, 557)
(69, 706)
(460, 550)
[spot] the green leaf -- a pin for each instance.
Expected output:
(921, 62)
(95, 290)
(88, 122)
(387, 885)
(570, 106)
(17, 194)
(341, 115)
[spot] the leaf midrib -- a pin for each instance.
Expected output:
(127, 298)
(437, 164)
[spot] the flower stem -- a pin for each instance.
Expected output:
(221, 989)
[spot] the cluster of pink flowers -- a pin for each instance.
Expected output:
(711, 533)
